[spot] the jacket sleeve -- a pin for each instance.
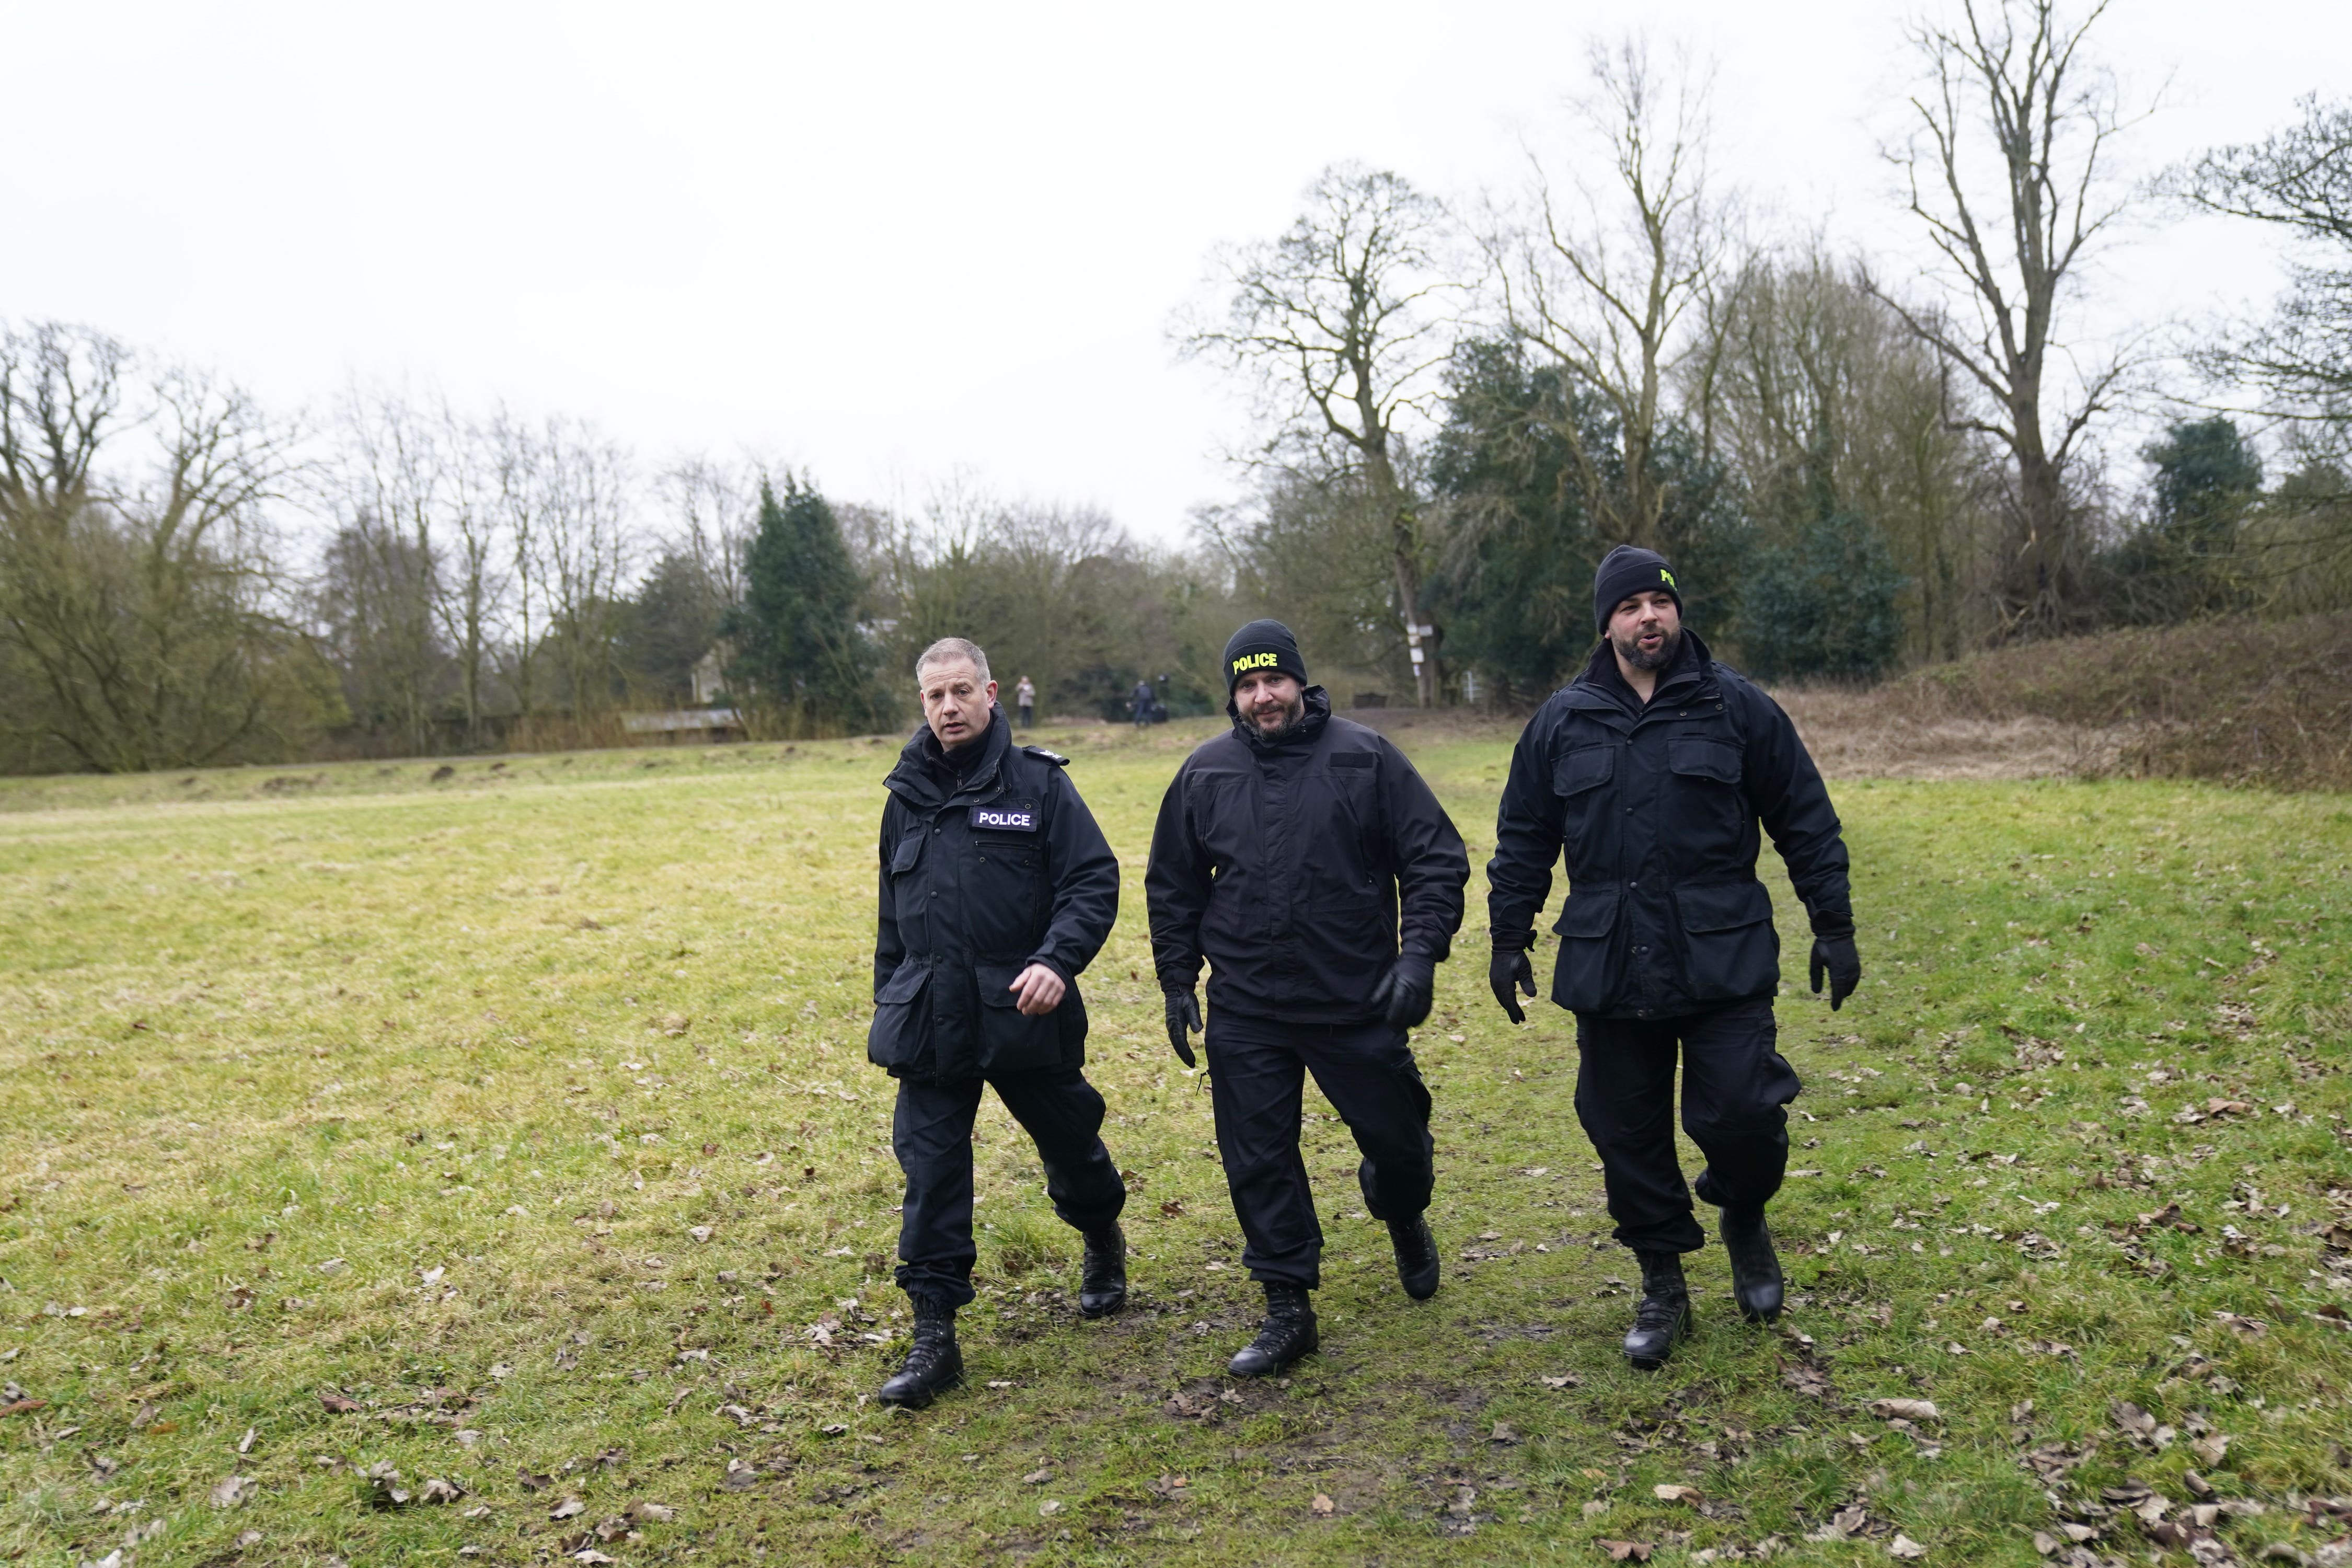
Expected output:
(1085, 884)
(1176, 891)
(1432, 866)
(888, 948)
(1794, 805)
(1526, 840)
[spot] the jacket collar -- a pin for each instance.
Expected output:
(1319, 714)
(924, 777)
(1602, 688)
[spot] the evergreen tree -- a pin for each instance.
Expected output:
(1822, 602)
(1515, 583)
(799, 650)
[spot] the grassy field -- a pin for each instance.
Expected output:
(505, 1144)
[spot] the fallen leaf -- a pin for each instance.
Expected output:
(1504, 1432)
(532, 1483)
(245, 1444)
(570, 1508)
(660, 1513)
(1050, 1506)
(23, 1406)
(590, 1554)
(1172, 1208)
(699, 1231)
(436, 1490)
(1904, 1547)
(2209, 1450)
(232, 1491)
(1618, 1550)
(1908, 1409)
(1322, 1505)
(1667, 1491)
(1039, 1477)
(338, 1403)
(1566, 1381)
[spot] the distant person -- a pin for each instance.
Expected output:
(1285, 852)
(1024, 697)
(997, 890)
(1142, 699)
(1652, 770)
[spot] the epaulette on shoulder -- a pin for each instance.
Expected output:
(1043, 756)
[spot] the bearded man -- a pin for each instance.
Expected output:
(1651, 771)
(1289, 856)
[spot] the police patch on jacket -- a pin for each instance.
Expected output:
(1003, 819)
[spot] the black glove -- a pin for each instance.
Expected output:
(1183, 1017)
(1508, 971)
(1841, 961)
(1406, 990)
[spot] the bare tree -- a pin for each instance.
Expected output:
(714, 506)
(1604, 276)
(380, 590)
(585, 547)
(2012, 89)
(1343, 323)
(137, 596)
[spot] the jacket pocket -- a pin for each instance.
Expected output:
(1584, 980)
(1708, 812)
(1011, 1040)
(899, 1037)
(1727, 929)
(1581, 778)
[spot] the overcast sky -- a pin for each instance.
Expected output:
(891, 242)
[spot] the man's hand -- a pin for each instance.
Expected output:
(1507, 973)
(1406, 991)
(1039, 990)
(1838, 957)
(1183, 1018)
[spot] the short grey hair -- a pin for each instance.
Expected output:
(949, 651)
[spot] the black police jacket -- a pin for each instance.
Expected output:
(1284, 864)
(982, 874)
(1656, 806)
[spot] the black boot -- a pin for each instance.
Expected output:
(1663, 1315)
(1102, 1279)
(1416, 1256)
(1755, 1268)
(1288, 1333)
(935, 1364)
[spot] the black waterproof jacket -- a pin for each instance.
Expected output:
(1284, 864)
(982, 874)
(1657, 805)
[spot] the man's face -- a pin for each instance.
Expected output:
(1270, 700)
(956, 702)
(1646, 628)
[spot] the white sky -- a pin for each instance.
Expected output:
(889, 242)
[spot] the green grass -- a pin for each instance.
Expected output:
(530, 1027)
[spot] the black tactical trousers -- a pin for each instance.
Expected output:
(1257, 1084)
(931, 1134)
(1733, 1085)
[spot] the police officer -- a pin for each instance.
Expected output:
(997, 890)
(1652, 768)
(1282, 855)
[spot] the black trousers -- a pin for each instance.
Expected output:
(1257, 1071)
(1734, 1085)
(931, 1134)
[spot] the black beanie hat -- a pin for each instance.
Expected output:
(1626, 570)
(1263, 644)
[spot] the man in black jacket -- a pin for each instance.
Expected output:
(1652, 770)
(1281, 857)
(997, 890)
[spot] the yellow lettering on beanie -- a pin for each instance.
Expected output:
(1666, 576)
(1257, 661)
